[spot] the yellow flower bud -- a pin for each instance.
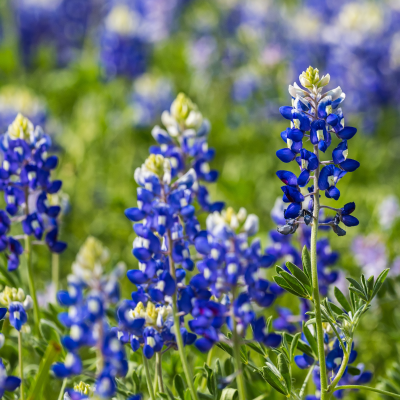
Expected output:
(91, 258)
(185, 112)
(20, 128)
(8, 295)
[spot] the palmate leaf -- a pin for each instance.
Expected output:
(284, 285)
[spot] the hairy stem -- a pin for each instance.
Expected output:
(236, 352)
(32, 288)
(159, 372)
(358, 387)
(21, 366)
(148, 378)
(55, 271)
(316, 297)
(177, 325)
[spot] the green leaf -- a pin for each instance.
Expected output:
(170, 394)
(379, 282)
(162, 396)
(294, 283)
(228, 367)
(341, 298)
(355, 284)
(358, 293)
(188, 396)
(306, 260)
(274, 380)
(284, 285)
(311, 321)
(337, 310)
(136, 382)
(300, 275)
(301, 345)
(229, 394)
(254, 347)
(311, 340)
(52, 352)
(293, 346)
(226, 348)
(179, 387)
(283, 367)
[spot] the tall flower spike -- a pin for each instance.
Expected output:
(317, 116)
(91, 293)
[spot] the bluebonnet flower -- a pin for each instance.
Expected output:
(319, 114)
(7, 383)
(17, 304)
(229, 261)
(90, 294)
(62, 23)
(25, 177)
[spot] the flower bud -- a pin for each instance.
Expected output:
(28, 303)
(185, 112)
(20, 128)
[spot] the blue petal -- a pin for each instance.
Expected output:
(286, 155)
(350, 165)
(347, 133)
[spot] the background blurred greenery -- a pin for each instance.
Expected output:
(90, 119)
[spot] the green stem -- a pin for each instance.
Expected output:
(55, 270)
(316, 297)
(32, 288)
(159, 372)
(397, 396)
(304, 386)
(208, 362)
(236, 352)
(21, 366)
(148, 377)
(177, 325)
(63, 386)
(342, 369)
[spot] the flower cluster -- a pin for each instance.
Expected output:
(25, 179)
(90, 294)
(129, 30)
(315, 116)
(62, 23)
(231, 280)
(166, 226)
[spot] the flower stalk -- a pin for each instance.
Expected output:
(21, 365)
(148, 378)
(177, 324)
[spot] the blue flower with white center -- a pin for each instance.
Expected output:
(308, 162)
(339, 156)
(293, 139)
(17, 315)
(328, 179)
(319, 135)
